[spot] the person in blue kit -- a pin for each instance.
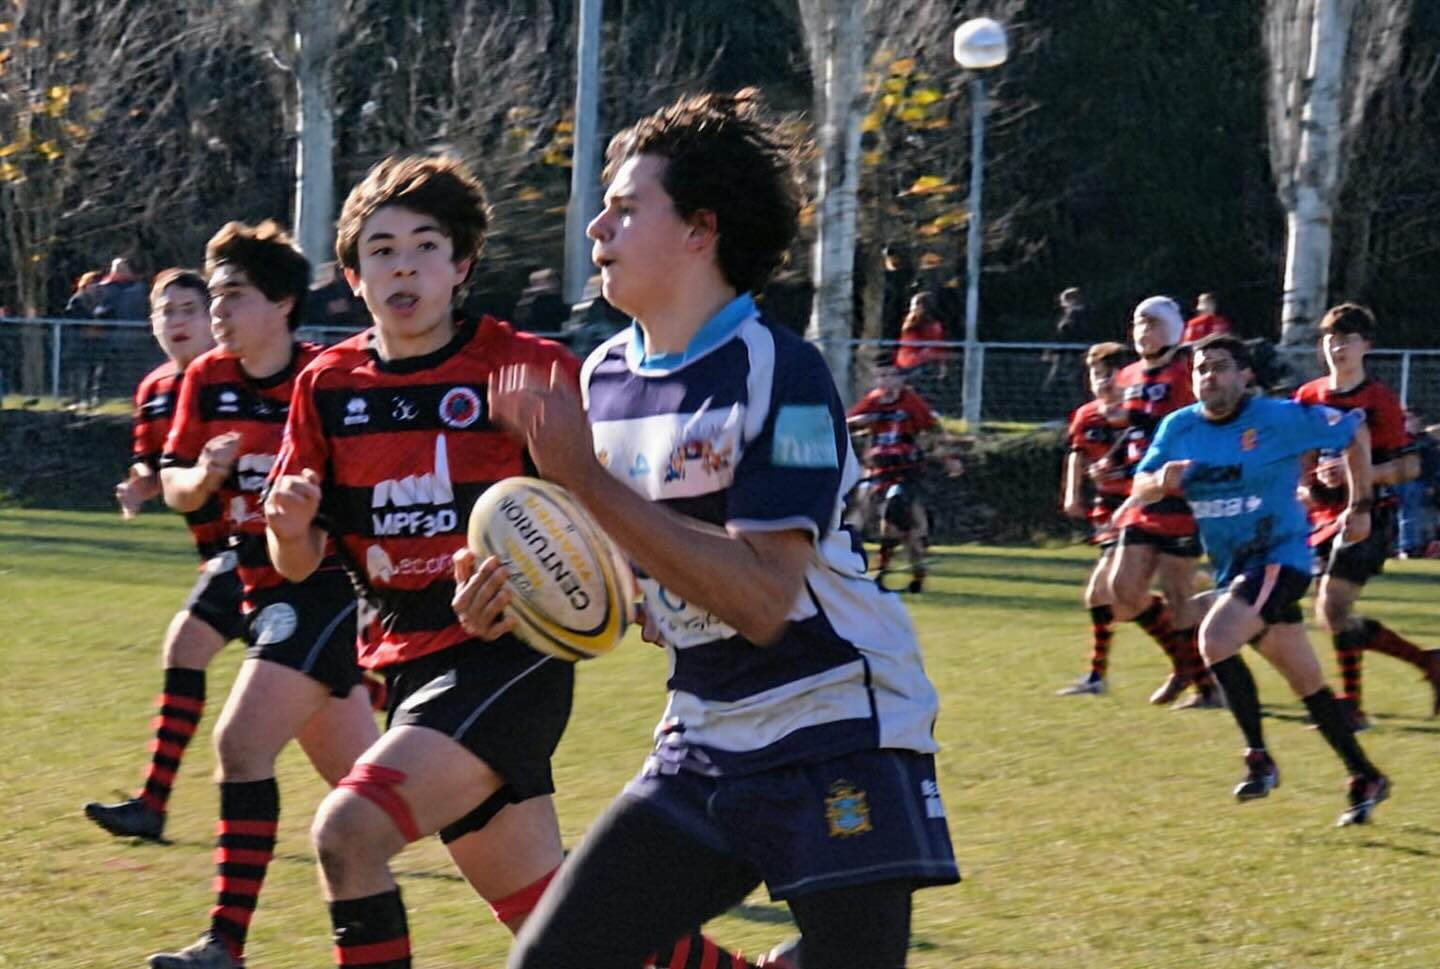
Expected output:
(1237, 458)
(797, 744)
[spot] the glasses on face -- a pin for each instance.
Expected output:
(1342, 339)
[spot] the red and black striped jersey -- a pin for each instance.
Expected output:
(217, 396)
(154, 411)
(404, 447)
(1147, 395)
(895, 425)
(1094, 437)
(1385, 418)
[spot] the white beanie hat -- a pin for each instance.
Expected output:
(1164, 309)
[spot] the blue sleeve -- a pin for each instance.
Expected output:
(789, 474)
(1318, 426)
(1162, 445)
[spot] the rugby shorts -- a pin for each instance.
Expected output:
(216, 596)
(309, 627)
(1361, 561)
(1275, 590)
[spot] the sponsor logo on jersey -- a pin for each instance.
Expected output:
(275, 624)
(1249, 439)
(252, 470)
(1226, 507)
(847, 810)
(382, 569)
(804, 437)
(460, 407)
(229, 403)
(355, 412)
(156, 406)
(712, 459)
(428, 497)
(402, 409)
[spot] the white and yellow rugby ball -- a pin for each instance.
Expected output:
(571, 589)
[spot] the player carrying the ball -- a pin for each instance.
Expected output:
(1236, 458)
(797, 746)
(389, 444)
(180, 321)
(299, 679)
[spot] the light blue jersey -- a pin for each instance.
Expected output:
(1241, 484)
(745, 430)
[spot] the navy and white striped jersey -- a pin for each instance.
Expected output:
(745, 430)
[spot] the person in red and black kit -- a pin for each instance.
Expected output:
(1093, 435)
(1207, 321)
(389, 443)
(180, 321)
(1345, 337)
(897, 419)
(300, 679)
(1159, 540)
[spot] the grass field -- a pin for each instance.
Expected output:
(1093, 832)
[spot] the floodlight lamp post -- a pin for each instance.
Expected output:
(980, 45)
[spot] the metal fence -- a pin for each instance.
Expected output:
(1034, 383)
(96, 361)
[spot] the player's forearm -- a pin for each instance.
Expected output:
(1148, 487)
(697, 562)
(144, 482)
(1073, 480)
(1358, 476)
(296, 557)
(186, 489)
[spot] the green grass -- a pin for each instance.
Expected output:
(1094, 832)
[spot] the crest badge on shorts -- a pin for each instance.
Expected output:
(847, 810)
(275, 624)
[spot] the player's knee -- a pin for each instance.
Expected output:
(238, 757)
(1332, 612)
(345, 833)
(190, 643)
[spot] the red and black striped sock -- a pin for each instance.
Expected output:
(177, 715)
(1349, 654)
(695, 951)
(1155, 620)
(1382, 639)
(371, 931)
(249, 815)
(1102, 631)
(1188, 662)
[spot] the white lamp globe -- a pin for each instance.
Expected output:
(980, 44)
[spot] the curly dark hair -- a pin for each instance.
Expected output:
(269, 259)
(726, 157)
(440, 187)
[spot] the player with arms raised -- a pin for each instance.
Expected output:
(1237, 457)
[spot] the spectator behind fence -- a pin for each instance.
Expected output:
(331, 301)
(1206, 321)
(81, 305)
(922, 325)
(1073, 325)
(540, 308)
(122, 294)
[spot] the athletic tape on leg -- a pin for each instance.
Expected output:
(523, 902)
(376, 784)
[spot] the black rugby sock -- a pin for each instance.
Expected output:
(1244, 698)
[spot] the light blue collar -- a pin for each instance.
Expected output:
(716, 331)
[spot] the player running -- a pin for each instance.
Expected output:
(390, 444)
(1237, 458)
(899, 424)
(180, 322)
(299, 679)
(797, 747)
(1093, 435)
(1158, 540)
(1344, 568)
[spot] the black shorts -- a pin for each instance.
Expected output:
(504, 702)
(1362, 561)
(308, 627)
(1180, 546)
(1275, 590)
(216, 596)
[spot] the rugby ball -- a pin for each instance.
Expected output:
(571, 589)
